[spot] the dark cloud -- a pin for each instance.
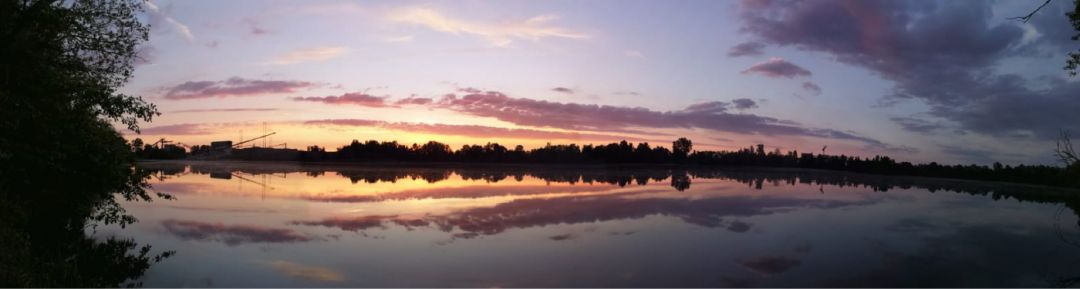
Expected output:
(744, 103)
(224, 110)
(230, 235)
(739, 227)
(986, 156)
(770, 265)
(234, 86)
(918, 124)
(944, 54)
(811, 88)
(352, 98)
(746, 49)
(777, 67)
(709, 115)
(564, 237)
(563, 90)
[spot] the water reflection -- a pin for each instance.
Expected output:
(596, 226)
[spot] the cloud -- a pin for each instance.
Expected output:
(255, 27)
(234, 86)
(744, 103)
(811, 88)
(564, 237)
(310, 55)
(478, 131)
(224, 110)
(770, 265)
(747, 49)
(157, 16)
(918, 124)
(413, 100)
(306, 272)
(352, 98)
(539, 212)
(178, 129)
(634, 54)
(499, 34)
(349, 224)
(777, 67)
(563, 90)
(943, 54)
(230, 235)
(713, 116)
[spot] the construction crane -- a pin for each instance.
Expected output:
(161, 143)
(236, 145)
(282, 145)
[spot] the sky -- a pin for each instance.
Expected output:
(921, 81)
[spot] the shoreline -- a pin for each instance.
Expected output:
(300, 165)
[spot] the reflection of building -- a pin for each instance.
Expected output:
(221, 175)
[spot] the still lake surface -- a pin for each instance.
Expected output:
(270, 224)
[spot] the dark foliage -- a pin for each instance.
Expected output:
(61, 160)
(627, 153)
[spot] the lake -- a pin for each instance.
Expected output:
(278, 224)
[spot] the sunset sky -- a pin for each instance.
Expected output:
(946, 81)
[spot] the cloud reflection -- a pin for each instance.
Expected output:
(231, 235)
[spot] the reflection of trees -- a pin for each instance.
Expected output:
(680, 178)
(45, 244)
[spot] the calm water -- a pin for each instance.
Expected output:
(257, 224)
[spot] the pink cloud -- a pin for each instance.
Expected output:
(234, 86)
(353, 98)
(478, 131)
(413, 100)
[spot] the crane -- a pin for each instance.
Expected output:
(161, 143)
(236, 145)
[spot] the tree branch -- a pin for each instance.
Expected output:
(1025, 18)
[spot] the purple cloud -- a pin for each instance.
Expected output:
(747, 49)
(563, 90)
(777, 67)
(744, 103)
(770, 265)
(811, 88)
(710, 115)
(944, 54)
(352, 98)
(234, 86)
(231, 235)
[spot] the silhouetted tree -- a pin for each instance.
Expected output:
(61, 161)
(1072, 61)
(681, 147)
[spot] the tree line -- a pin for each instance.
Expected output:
(682, 153)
